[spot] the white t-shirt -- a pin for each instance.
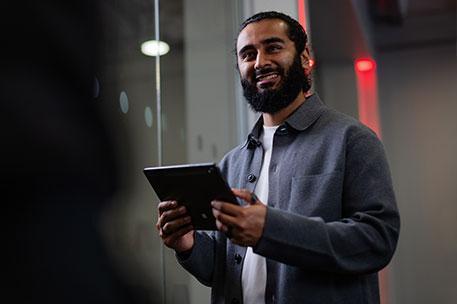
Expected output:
(254, 274)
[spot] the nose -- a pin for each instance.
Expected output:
(261, 61)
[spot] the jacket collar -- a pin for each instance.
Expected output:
(303, 117)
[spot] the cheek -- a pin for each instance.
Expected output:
(246, 71)
(287, 64)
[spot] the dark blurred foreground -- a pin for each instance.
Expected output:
(58, 170)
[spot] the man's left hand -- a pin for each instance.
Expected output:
(242, 224)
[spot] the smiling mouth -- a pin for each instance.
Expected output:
(267, 80)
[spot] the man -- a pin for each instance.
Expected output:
(320, 218)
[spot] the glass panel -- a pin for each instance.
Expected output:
(198, 120)
(199, 102)
(127, 95)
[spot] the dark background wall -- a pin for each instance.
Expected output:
(418, 96)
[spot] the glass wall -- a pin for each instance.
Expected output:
(196, 84)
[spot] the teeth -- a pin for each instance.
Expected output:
(266, 77)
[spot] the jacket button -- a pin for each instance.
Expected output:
(238, 258)
(235, 301)
(283, 130)
(251, 178)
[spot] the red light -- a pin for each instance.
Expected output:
(311, 63)
(365, 70)
(365, 64)
(302, 14)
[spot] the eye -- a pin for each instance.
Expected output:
(248, 55)
(274, 48)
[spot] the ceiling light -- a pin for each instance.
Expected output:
(154, 48)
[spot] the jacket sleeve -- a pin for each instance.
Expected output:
(207, 257)
(363, 240)
(200, 261)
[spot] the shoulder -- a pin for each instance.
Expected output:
(344, 126)
(361, 144)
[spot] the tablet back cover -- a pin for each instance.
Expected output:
(193, 186)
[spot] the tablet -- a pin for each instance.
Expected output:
(193, 186)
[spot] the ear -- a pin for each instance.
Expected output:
(305, 60)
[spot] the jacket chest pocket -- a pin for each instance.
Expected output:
(317, 195)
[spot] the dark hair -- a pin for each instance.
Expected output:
(295, 32)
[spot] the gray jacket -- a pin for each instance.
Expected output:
(332, 221)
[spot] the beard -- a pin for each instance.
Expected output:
(272, 101)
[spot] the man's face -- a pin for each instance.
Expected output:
(272, 73)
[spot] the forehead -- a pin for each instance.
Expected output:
(257, 32)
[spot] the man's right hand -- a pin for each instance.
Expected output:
(175, 227)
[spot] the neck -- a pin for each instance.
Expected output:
(278, 118)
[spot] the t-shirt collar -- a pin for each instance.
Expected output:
(303, 117)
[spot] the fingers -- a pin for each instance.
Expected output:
(221, 227)
(246, 195)
(228, 214)
(171, 239)
(242, 193)
(228, 224)
(227, 208)
(172, 214)
(224, 219)
(166, 205)
(243, 225)
(172, 218)
(173, 226)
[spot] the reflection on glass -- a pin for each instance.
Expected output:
(148, 116)
(96, 87)
(124, 102)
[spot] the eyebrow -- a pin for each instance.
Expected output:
(272, 40)
(265, 41)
